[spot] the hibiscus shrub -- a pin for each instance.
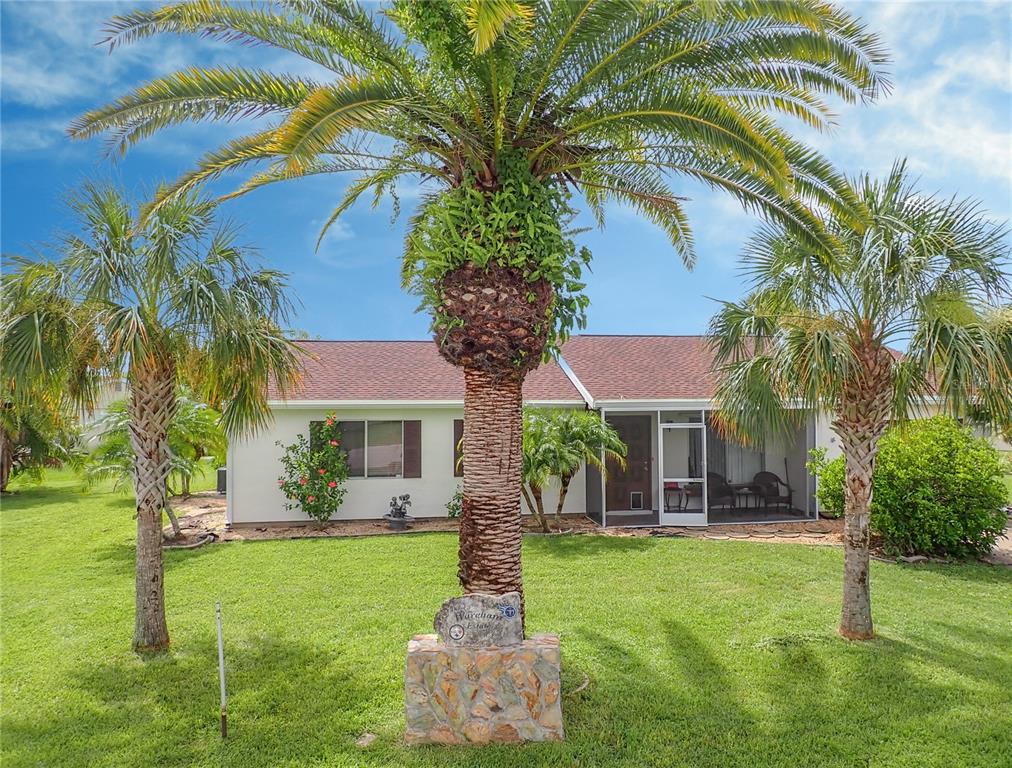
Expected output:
(315, 471)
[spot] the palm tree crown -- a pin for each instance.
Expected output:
(925, 273)
(607, 97)
(177, 290)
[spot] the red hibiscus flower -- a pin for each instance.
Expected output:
(332, 484)
(302, 481)
(322, 471)
(310, 498)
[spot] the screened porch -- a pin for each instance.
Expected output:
(680, 471)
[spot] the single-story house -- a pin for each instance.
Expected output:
(401, 408)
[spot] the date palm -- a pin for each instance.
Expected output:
(816, 333)
(169, 300)
(507, 111)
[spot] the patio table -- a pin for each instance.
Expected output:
(747, 490)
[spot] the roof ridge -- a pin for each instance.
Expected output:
(639, 336)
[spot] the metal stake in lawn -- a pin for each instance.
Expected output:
(221, 673)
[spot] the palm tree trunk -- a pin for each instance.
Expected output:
(864, 415)
(6, 459)
(490, 529)
(152, 402)
(564, 481)
(177, 532)
(855, 618)
(535, 504)
(539, 500)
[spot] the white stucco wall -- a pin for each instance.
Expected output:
(254, 466)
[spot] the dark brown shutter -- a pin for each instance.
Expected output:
(412, 449)
(458, 448)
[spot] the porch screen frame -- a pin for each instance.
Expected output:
(700, 517)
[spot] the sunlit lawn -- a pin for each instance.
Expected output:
(698, 653)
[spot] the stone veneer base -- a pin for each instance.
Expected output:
(460, 695)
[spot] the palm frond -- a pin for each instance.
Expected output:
(191, 96)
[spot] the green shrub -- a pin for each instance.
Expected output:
(456, 503)
(938, 490)
(829, 490)
(315, 470)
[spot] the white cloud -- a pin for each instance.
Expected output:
(31, 135)
(949, 109)
(338, 232)
(51, 57)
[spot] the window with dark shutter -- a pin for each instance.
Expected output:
(412, 449)
(458, 448)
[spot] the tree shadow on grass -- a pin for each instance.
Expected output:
(980, 654)
(122, 555)
(289, 701)
(785, 701)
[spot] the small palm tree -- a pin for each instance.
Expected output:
(556, 444)
(544, 456)
(815, 332)
(504, 109)
(167, 300)
(593, 439)
(37, 432)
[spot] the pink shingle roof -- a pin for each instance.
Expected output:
(642, 367)
(402, 370)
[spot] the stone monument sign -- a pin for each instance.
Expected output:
(480, 621)
(479, 680)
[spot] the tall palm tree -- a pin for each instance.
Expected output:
(167, 300)
(815, 332)
(507, 110)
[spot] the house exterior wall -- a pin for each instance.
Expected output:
(254, 465)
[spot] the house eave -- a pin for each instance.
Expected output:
(316, 404)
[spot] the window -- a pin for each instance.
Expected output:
(380, 448)
(385, 454)
(458, 448)
(681, 417)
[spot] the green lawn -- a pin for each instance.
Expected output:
(699, 653)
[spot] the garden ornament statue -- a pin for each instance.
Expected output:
(397, 518)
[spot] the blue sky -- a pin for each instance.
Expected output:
(950, 112)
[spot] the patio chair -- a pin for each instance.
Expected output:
(718, 492)
(768, 487)
(678, 496)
